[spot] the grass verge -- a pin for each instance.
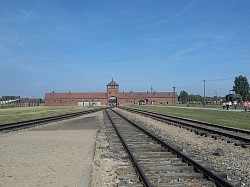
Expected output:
(227, 118)
(11, 115)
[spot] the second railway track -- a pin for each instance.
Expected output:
(32, 123)
(157, 163)
(239, 137)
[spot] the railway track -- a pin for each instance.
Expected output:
(156, 162)
(239, 137)
(32, 123)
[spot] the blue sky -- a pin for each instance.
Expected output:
(80, 45)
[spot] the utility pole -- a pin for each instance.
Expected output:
(216, 97)
(173, 95)
(204, 99)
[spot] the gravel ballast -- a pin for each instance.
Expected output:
(234, 162)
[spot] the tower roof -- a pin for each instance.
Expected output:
(112, 83)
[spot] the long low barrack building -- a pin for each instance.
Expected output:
(111, 97)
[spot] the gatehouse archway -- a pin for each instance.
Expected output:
(112, 101)
(143, 102)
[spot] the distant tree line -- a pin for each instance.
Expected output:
(184, 97)
(241, 86)
(6, 98)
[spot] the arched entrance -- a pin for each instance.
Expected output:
(112, 101)
(143, 101)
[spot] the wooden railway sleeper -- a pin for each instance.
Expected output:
(208, 174)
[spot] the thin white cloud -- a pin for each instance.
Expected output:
(22, 14)
(180, 12)
(220, 42)
(219, 48)
(21, 43)
(184, 51)
(26, 13)
(219, 38)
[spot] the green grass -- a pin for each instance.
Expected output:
(232, 119)
(10, 115)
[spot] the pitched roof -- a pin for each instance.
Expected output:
(124, 95)
(103, 95)
(112, 83)
(76, 95)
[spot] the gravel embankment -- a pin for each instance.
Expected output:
(58, 154)
(235, 162)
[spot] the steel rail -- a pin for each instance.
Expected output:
(207, 174)
(193, 121)
(28, 123)
(190, 123)
(134, 161)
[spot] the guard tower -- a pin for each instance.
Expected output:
(112, 92)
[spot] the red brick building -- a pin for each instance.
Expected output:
(111, 96)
